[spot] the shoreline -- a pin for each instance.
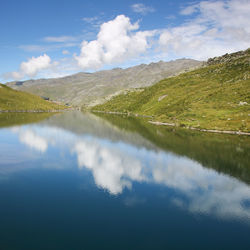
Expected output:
(36, 111)
(30, 111)
(232, 132)
(203, 130)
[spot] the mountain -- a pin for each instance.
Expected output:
(92, 88)
(13, 100)
(216, 96)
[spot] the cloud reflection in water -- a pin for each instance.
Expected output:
(116, 165)
(112, 169)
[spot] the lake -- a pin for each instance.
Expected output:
(95, 181)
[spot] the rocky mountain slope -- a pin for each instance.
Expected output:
(216, 96)
(93, 88)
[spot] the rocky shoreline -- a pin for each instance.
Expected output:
(30, 111)
(203, 130)
(38, 111)
(175, 125)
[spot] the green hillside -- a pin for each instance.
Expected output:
(216, 96)
(13, 100)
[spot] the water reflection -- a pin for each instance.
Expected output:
(112, 166)
(117, 165)
(32, 139)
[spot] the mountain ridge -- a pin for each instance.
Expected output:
(89, 89)
(213, 97)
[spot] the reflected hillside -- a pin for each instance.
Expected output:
(88, 123)
(122, 156)
(228, 154)
(14, 119)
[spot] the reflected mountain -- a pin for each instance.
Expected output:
(121, 153)
(228, 154)
(88, 123)
(12, 119)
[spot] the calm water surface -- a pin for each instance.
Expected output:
(81, 181)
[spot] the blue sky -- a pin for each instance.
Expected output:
(55, 38)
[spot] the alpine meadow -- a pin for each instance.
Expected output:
(125, 125)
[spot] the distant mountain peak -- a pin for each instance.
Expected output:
(85, 88)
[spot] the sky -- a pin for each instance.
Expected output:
(54, 38)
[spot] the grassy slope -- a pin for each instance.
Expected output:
(14, 119)
(207, 98)
(13, 100)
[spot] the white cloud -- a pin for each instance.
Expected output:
(218, 27)
(32, 67)
(63, 67)
(94, 21)
(65, 52)
(93, 24)
(141, 8)
(90, 20)
(33, 48)
(212, 28)
(59, 39)
(52, 43)
(189, 10)
(42, 66)
(47, 47)
(116, 42)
